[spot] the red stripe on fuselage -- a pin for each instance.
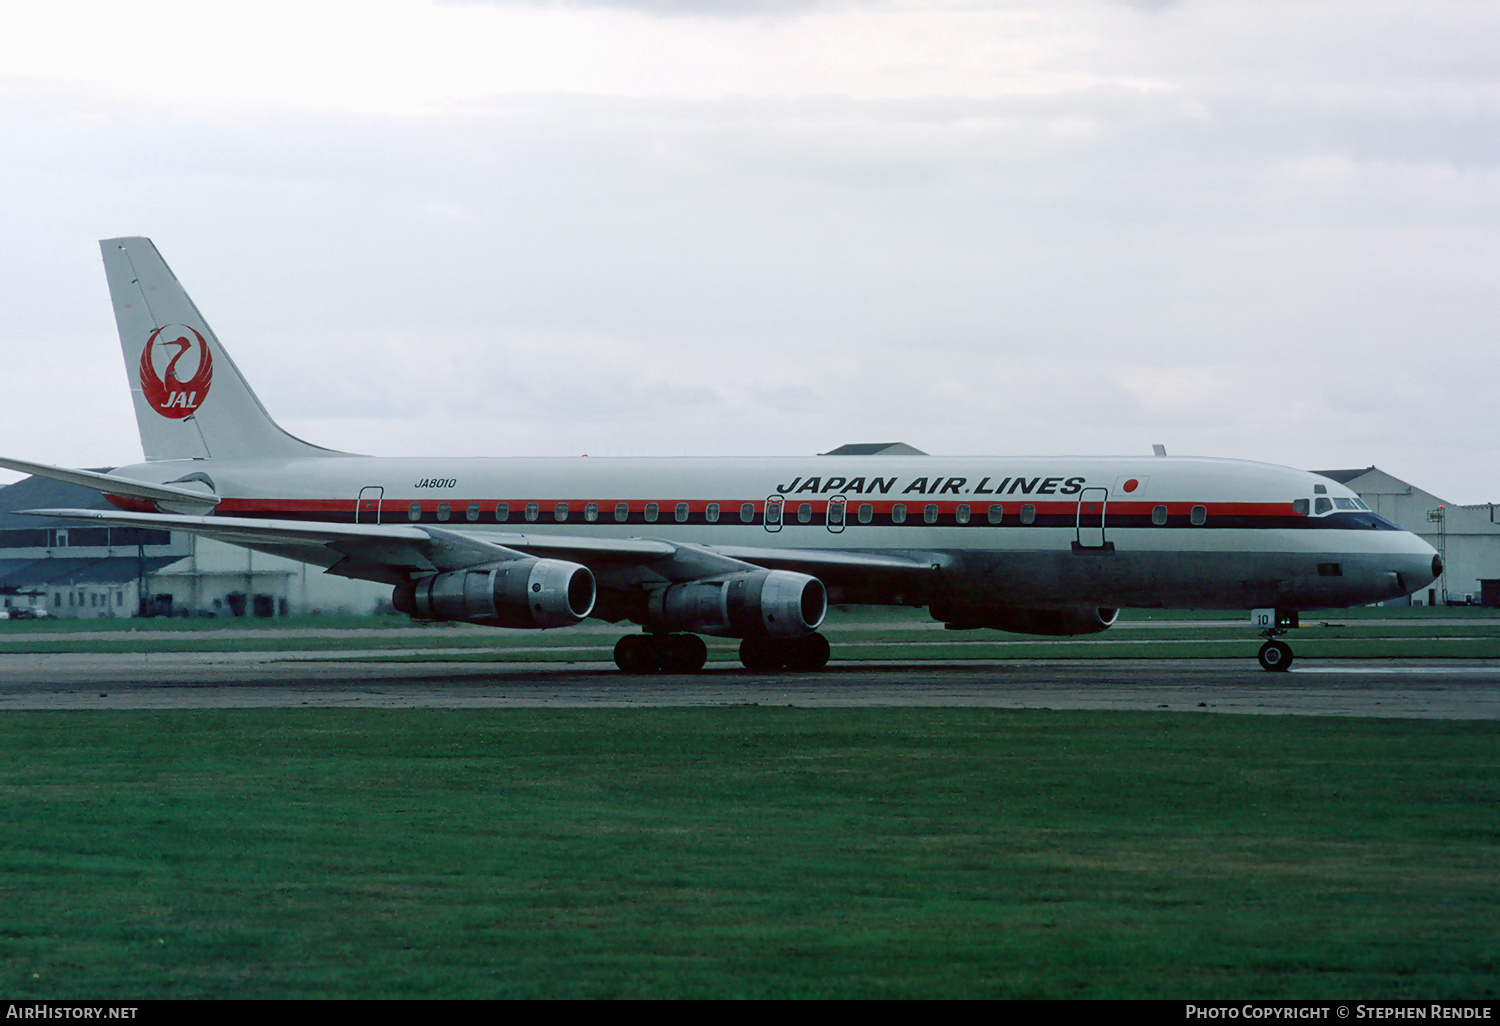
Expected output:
(271, 507)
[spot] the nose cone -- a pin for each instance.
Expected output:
(1419, 568)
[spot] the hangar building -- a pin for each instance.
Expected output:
(73, 570)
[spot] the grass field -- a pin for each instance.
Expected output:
(859, 634)
(746, 852)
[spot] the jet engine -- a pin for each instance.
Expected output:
(755, 603)
(1053, 622)
(528, 593)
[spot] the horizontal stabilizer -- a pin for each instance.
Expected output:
(111, 485)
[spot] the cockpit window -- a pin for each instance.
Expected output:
(1345, 504)
(1322, 505)
(1301, 507)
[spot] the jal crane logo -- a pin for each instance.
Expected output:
(167, 393)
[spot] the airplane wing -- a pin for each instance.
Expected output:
(399, 553)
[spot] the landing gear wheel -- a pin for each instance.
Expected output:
(682, 653)
(1276, 656)
(634, 653)
(796, 655)
(761, 655)
(660, 653)
(807, 653)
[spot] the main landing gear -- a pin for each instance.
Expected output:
(686, 653)
(660, 653)
(1275, 656)
(799, 655)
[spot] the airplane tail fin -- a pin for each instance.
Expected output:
(191, 402)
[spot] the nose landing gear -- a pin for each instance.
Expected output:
(1275, 656)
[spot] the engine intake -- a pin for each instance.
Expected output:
(756, 603)
(1050, 622)
(526, 593)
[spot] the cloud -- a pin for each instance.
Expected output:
(512, 228)
(685, 8)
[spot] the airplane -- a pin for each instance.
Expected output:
(754, 549)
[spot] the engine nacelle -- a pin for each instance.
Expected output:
(1051, 622)
(528, 593)
(756, 603)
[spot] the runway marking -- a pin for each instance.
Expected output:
(1395, 669)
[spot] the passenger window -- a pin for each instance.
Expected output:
(961, 515)
(711, 514)
(560, 512)
(997, 514)
(445, 510)
(591, 512)
(1028, 514)
(532, 509)
(1301, 507)
(502, 511)
(747, 512)
(652, 509)
(898, 513)
(1158, 515)
(804, 513)
(472, 513)
(1199, 516)
(773, 512)
(682, 512)
(929, 513)
(866, 512)
(414, 511)
(622, 512)
(1322, 506)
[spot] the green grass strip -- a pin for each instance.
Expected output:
(746, 852)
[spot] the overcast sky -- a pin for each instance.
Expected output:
(1267, 230)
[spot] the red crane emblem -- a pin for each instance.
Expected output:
(167, 394)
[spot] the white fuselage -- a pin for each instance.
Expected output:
(1046, 532)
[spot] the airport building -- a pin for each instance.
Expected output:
(69, 569)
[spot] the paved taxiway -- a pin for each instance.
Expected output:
(1434, 689)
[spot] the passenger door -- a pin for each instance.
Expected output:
(1091, 506)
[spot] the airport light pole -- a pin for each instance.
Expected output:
(1438, 517)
